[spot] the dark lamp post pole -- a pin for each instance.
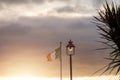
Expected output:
(70, 51)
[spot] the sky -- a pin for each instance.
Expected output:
(31, 29)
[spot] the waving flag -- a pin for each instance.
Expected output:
(57, 53)
(54, 55)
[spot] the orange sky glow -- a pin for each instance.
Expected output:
(78, 78)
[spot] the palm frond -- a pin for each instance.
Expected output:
(108, 24)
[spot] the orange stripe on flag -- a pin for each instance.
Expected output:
(49, 57)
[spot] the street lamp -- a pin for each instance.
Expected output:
(70, 51)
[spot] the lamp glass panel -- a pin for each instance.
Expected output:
(70, 48)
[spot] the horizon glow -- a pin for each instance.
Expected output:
(110, 77)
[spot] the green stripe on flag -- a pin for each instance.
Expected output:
(57, 53)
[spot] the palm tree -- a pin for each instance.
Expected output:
(108, 23)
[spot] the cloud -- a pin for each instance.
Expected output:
(80, 7)
(20, 1)
(9, 9)
(67, 9)
(14, 9)
(97, 3)
(38, 36)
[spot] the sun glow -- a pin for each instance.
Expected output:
(79, 78)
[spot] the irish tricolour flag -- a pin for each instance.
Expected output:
(54, 55)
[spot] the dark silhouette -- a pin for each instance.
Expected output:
(108, 23)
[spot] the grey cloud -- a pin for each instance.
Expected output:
(97, 3)
(13, 1)
(71, 9)
(44, 35)
(20, 1)
(67, 9)
(14, 30)
(27, 1)
(42, 29)
(59, 0)
(80, 6)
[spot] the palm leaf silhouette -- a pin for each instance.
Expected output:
(108, 23)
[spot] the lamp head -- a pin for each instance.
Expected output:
(70, 47)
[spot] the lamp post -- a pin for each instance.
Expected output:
(70, 51)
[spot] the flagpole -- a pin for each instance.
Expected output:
(60, 60)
